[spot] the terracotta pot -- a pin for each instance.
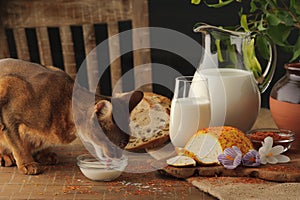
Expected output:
(285, 101)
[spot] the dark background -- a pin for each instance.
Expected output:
(181, 15)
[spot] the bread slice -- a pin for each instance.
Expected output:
(149, 122)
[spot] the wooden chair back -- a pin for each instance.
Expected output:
(18, 16)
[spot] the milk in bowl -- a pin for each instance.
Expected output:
(234, 96)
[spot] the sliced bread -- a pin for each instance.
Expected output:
(149, 122)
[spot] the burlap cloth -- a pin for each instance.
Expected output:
(230, 188)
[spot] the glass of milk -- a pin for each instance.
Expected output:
(190, 110)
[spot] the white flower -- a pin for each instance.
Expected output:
(270, 154)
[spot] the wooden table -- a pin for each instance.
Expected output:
(65, 181)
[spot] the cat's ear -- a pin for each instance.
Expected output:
(135, 98)
(132, 98)
(103, 109)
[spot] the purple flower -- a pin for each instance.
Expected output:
(251, 159)
(231, 158)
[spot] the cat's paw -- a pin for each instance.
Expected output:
(46, 158)
(31, 168)
(7, 160)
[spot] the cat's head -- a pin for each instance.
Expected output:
(113, 117)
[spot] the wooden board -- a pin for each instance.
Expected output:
(287, 172)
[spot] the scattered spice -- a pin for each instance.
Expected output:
(247, 180)
(261, 135)
(283, 168)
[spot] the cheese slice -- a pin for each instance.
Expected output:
(181, 161)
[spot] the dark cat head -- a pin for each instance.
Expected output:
(107, 130)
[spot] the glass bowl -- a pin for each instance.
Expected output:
(280, 137)
(101, 170)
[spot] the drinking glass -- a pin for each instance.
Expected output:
(190, 109)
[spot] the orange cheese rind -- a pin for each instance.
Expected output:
(205, 145)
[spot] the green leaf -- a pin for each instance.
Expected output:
(250, 59)
(279, 34)
(271, 3)
(273, 19)
(232, 56)
(260, 26)
(264, 6)
(220, 4)
(244, 23)
(285, 18)
(296, 50)
(295, 55)
(219, 52)
(253, 7)
(295, 4)
(292, 3)
(263, 47)
(195, 1)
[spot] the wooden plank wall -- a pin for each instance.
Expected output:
(18, 15)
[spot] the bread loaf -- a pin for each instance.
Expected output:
(149, 122)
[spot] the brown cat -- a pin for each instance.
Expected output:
(39, 109)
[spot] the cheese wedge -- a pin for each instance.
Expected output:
(205, 145)
(181, 161)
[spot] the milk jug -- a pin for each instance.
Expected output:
(235, 76)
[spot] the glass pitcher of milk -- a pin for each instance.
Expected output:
(235, 76)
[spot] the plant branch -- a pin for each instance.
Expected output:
(297, 25)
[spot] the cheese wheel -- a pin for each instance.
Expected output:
(205, 145)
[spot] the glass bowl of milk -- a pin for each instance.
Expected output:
(101, 170)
